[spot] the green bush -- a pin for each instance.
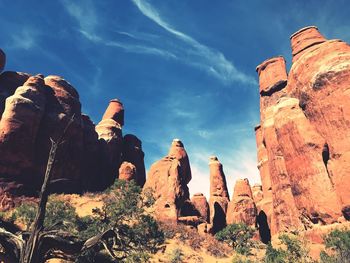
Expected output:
(59, 215)
(123, 211)
(137, 233)
(294, 251)
(238, 236)
(338, 242)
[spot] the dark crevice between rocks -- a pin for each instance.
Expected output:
(263, 227)
(346, 212)
(219, 220)
(325, 158)
(277, 87)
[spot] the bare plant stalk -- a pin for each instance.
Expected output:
(30, 253)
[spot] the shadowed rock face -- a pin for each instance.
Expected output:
(302, 145)
(168, 181)
(36, 108)
(241, 208)
(201, 205)
(132, 153)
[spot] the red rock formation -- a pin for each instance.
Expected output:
(38, 109)
(219, 197)
(2, 60)
(115, 111)
(19, 127)
(302, 145)
(272, 75)
(109, 131)
(323, 90)
(178, 151)
(168, 182)
(132, 152)
(9, 82)
(304, 39)
(257, 192)
(62, 104)
(241, 208)
(201, 205)
(127, 171)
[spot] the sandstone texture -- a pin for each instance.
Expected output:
(127, 171)
(241, 208)
(200, 203)
(219, 197)
(168, 182)
(302, 139)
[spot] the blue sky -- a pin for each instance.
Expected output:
(183, 69)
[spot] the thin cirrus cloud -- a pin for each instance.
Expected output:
(214, 62)
(180, 47)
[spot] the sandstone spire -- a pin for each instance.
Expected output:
(219, 197)
(178, 151)
(241, 208)
(167, 180)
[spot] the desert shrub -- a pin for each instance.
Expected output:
(216, 248)
(176, 256)
(59, 215)
(241, 259)
(135, 232)
(294, 251)
(338, 242)
(189, 236)
(238, 236)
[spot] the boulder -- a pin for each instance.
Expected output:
(127, 171)
(201, 205)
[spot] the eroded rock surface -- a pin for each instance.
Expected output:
(301, 141)
(168, 181)
(241, 208)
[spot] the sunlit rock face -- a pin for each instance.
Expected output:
(167, 179)
(303, 153)
(241, 208)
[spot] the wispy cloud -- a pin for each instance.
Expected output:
(26, 38)
(184, 48)
(213, 61)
